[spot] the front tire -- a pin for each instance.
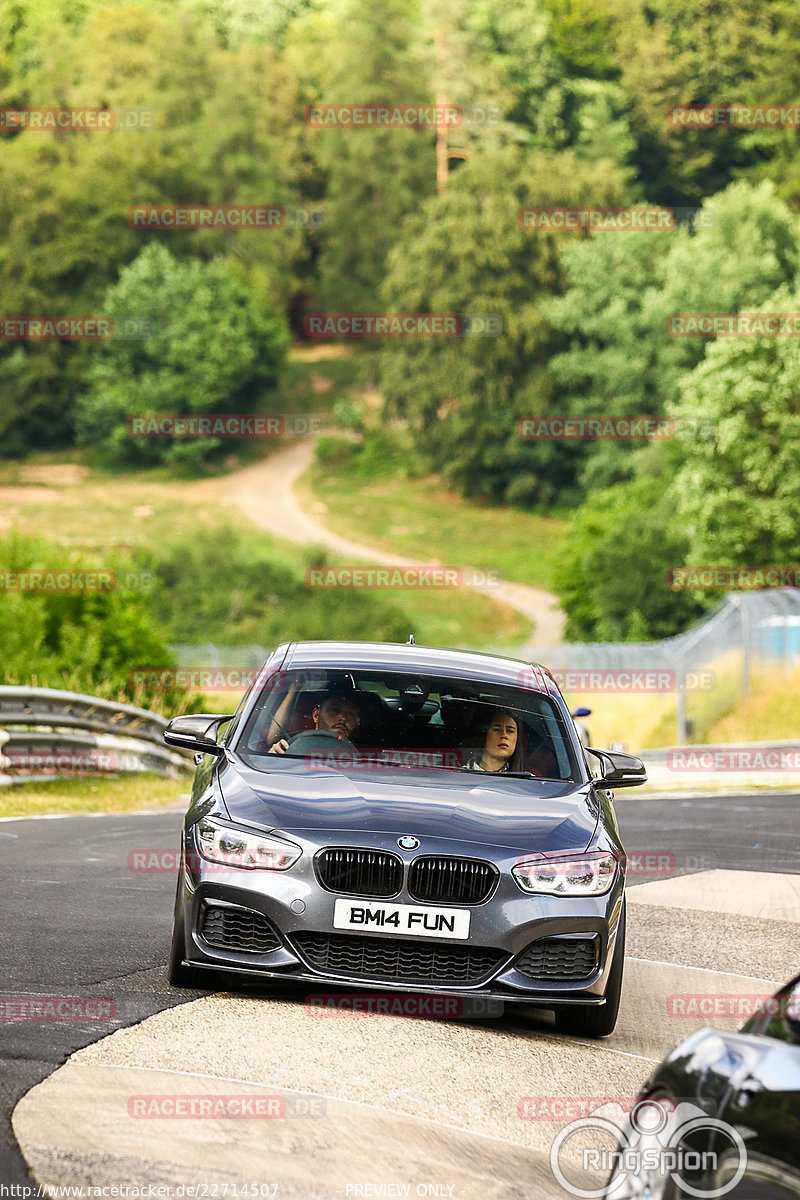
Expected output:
(592, 1020)
(179, 976)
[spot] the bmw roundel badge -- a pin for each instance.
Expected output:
(408, 843)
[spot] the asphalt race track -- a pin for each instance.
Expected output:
(712, 909)
(76, 922)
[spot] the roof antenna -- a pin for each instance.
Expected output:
(411, 641)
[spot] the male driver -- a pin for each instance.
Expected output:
(336, 715)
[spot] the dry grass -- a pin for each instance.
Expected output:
(94, 794)
(718, 714)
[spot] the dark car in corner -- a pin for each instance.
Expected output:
(362, 841)
(727, 1111)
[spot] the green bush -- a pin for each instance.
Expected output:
(90, 641)
(612, 571)
(376, 454)
(226, 587)
(211, 347)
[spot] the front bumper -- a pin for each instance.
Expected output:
(295, 903)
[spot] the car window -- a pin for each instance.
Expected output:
(410, 720)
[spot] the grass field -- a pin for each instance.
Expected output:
(419, 518)
(94, 794)
(139, 510)
(718, 716)
(89, 509)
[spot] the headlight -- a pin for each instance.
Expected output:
(238, 848)
(589, 874)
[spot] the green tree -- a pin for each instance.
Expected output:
(583, 34)
(612, 571)
(374, 176)
(466, 253)
(737, 491)
(683, 52)
(90, 641)
(218, 134)
(210, 346)
(624, 290)
(537, 59)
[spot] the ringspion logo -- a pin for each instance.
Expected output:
(645, 1148)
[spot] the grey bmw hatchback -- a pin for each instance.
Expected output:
(404, 818)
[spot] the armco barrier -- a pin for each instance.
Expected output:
(46, 732)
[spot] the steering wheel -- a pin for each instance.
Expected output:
(312, 741)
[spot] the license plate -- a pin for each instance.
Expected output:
(417, 920)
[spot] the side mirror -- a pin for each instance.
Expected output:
(196, 731)
(618, 769)
(581, 712)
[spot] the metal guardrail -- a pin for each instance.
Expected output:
(49, 706)
(45, 732)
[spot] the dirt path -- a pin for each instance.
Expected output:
(265, 494)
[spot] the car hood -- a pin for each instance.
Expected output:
(518, 815)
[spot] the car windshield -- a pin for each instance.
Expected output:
(387, 720)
